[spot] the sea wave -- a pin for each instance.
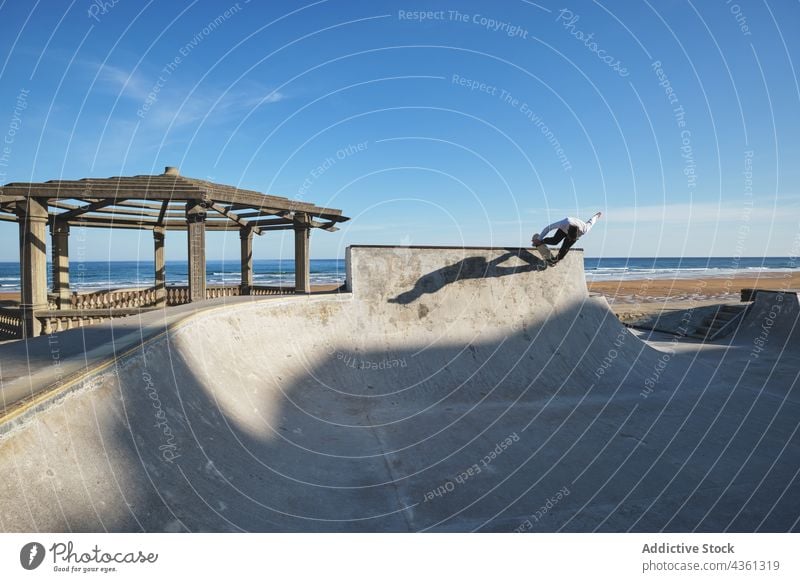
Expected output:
(606, 274)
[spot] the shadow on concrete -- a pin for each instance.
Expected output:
(471, 268)
(348, 445)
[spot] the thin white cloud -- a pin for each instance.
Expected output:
(166, 101)
(758, 208)
(208, 107)
(782, 209)
(118, 81)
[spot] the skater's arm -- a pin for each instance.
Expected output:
(591, 221)
(537, 237)
(562, 224)
(543, 233)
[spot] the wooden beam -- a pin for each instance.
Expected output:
(70, 214)
(162, 213)
(68, 192)
(234, 217)
(269, 222)
(63, 205)
(265, 210)
(143, 220)
(6, 199)
(287, 226)
(169, 225)
(123, 213)
(329, 226)
(111, 223)
(147, 206)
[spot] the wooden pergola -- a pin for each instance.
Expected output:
(159, 203)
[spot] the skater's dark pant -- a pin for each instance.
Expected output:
(571, 238)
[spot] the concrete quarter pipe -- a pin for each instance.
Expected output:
(449, 389)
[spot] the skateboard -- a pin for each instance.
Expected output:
(547, 254)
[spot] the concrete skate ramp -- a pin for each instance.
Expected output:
(772, 323)
(452, 389)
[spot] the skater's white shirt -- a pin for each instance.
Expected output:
(583, 227)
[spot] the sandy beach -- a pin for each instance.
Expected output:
(9, 299)
(668, 290)
(639, 299)
(639, 295)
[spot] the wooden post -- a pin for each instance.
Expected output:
(32, 215)
(59, 233)
(302, 264)
(196, 237)
(246, 238)
(160, 269)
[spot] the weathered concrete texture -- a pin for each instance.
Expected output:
(454, 389)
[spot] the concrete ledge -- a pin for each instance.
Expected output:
(749, 293)
(450, 248)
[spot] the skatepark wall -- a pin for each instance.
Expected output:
(449, 283)
(771, 326)
(333, 412)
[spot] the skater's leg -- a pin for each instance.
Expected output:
(565, 248)
(571, 239)
(555, 239)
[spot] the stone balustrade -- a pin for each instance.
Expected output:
(11, 323)
(88, 308)
(260, 290)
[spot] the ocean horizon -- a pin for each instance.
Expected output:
(88, 275)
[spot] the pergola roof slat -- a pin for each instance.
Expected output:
(161, 197)
(69, 214)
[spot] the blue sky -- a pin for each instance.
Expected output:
(437, 122)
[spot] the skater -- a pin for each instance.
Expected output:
(570, 229)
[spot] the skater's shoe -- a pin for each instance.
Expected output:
(551, 262)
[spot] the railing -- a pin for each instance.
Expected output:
(218, 291)
(53, 321)
(108, 299)
(115, 299)
(179, 294)
(260, 290)
(93, 307)
(11, 323)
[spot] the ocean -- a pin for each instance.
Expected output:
(117, 274)
(612, 269)
(120, 274)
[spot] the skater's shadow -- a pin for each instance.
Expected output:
(470, 268)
